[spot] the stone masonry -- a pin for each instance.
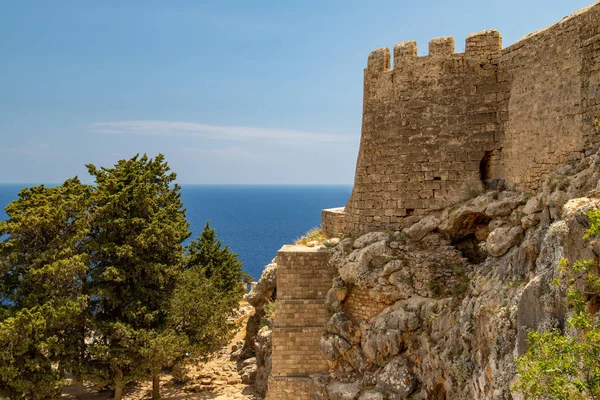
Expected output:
(303, 279)
(333, 221)
(437, 128)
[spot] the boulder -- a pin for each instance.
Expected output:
(343, 391)
(371, 395)
(263, 350)
(385, 337)
(370, 238)
(397, 377)
(262, 292)
(500, 240)
(248, 371)
(533, 205)
(419, 230)
(363, 265)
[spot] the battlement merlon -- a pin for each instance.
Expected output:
(379, 60)
(440, 47)
(484, 44)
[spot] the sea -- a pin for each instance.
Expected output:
(254, 220)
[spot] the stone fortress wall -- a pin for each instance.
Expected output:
(437, 128)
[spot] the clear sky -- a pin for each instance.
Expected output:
(230, 91)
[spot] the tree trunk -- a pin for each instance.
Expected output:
(156, 386)
(118, 394)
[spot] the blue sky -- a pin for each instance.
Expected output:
(230, 91)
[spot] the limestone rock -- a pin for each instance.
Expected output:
(262, 292)
(385, 337)
(504, 205)
(248, 371)
(372, 395)
(362, 265)
(422, 228)
(397, 377)
(370, 238)
(530, 220)
(263, 352)
(533, 205)
(341, 347)
(500, 240)
(341, 325)
(335, 295)
(343, 391)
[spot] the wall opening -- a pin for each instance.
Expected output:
(485, 166)
(410, 211)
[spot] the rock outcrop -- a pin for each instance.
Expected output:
(441, 309)
(254, 355)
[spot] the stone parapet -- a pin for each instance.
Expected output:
(332, 221)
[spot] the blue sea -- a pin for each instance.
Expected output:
(254, 220)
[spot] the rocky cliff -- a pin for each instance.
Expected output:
(440, 310)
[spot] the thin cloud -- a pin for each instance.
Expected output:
(192, 129)
(227, 153)
(28, 150)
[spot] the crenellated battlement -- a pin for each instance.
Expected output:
(440, 127)
(481, 45)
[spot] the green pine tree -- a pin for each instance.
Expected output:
(42, 289)
(94, 281)
(218, 264)
(137, 230)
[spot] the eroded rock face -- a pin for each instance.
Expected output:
(441, 309)
(254, 357)
(397, 377)
(263, 351)
(500, 240)
(263, 291)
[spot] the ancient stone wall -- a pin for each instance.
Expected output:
(359, 305)
(303, 279)
(333, 221)
(552, 79)
(437, 128)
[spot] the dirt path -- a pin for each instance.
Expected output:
(217, 379)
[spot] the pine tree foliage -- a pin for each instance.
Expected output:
(136, 247)
(217, 263)
(95, 280)
(202, 313)
(42, 275)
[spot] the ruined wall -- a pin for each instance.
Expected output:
(436, 128)
(552, 78)
(303, 279)
(360, 306)
(332, 221)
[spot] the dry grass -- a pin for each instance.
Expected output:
(313, 237)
